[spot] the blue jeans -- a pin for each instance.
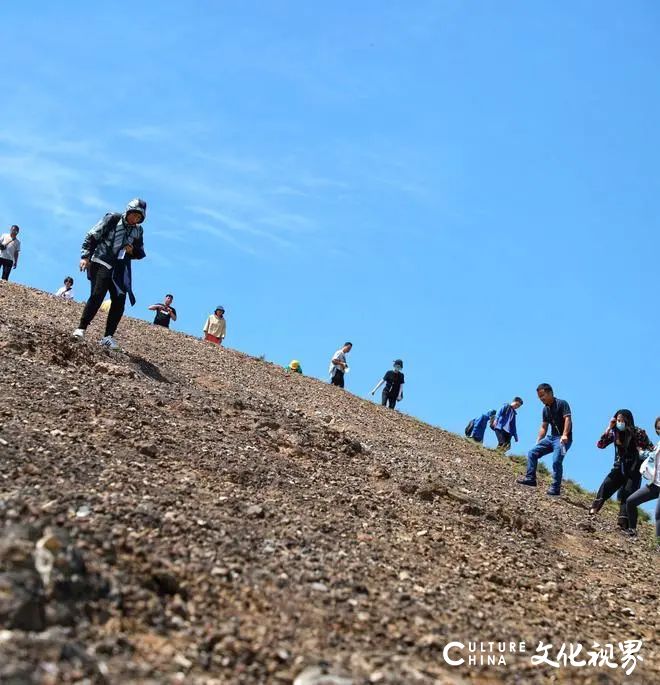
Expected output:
(549, 445)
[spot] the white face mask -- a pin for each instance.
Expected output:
(620, 426)
(397, 368)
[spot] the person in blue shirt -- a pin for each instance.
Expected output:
(504, 424)
(477, 427)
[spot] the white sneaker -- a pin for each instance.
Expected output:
(110, 343)
(78, 333)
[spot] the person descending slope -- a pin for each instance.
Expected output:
(107, 252)
(650, 469)
(393, 380)
(339, 365)
(215, 328)
(476, 429)
(294, 366)
(624, 475)
(504, 424)
(557, 416)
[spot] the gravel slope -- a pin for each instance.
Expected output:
(182, 513)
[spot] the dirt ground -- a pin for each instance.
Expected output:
(180, 513)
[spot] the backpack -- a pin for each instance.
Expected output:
(469, 428)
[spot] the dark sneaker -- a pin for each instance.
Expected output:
(526, 481)
(596, 506)
(629, 532)
(553, 491)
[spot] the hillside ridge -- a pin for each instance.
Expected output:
(183, 513)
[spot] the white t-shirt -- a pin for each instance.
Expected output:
(12, 249)
(64, 293)
(338, 356)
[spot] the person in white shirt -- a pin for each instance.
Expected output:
(215, 328)
(650, 469)
(339, 365)
(10, 247)
(66, 291)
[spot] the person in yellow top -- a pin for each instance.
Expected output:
(215, 328)
(294, 366)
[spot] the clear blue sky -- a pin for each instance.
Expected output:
(471, 186)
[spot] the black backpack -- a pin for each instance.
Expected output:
(469, 428)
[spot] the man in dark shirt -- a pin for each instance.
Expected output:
(393, 380)
(556, 415)
(164, 312)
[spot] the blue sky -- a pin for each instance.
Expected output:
(471, 186)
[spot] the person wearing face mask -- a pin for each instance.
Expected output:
(650, 469)
(393, 390)
(624, 476)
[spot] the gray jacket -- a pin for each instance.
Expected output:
(99, 243)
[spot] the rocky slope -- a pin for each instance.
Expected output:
(182, 513)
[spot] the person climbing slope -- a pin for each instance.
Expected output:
(393, 380)
(624, 475)
(66, 291)
(294, 366)
(476, 428)
(556, 416)
(504, 424)
(107, 252)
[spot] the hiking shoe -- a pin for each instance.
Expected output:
(553, 491)
(596, 506)
(629, 532)
(526, 481)
(110, 343)
(78, 333)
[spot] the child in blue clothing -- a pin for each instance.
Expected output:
(477, 427)
(504, 424)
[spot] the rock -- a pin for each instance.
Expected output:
(164, 583)
(318, 676)
(83, 512)
(256, 511)
(148, 449)
(22, 601)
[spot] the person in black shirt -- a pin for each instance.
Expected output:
(557, 416)
(164, 312)
(393, 390)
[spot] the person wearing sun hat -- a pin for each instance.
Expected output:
(294, 366)
(215, 328)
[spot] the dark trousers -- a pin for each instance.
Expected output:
(389, 399)
(627, 482)
(101, 283)
(503, 438)
(7, 266)
(338, 378)
(645, 494)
